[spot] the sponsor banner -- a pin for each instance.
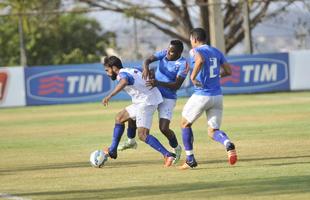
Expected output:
(66, 84)
(12, 87)
(257, 73)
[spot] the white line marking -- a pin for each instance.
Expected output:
(11, 197)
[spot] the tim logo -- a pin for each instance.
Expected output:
(67, 85)
(3, 84)
(250, 74)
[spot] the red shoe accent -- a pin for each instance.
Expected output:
(232, 156)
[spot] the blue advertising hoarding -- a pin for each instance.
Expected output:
(66, 84)
(257, 73)
(89, 82)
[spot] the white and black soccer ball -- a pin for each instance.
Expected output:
(98, 158)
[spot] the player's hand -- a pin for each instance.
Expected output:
(151, 83)
(196, 83)
(145, 73)
(106, 100)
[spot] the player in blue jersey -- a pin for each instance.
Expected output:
(145, 101)
(170, 74)
(209, 64)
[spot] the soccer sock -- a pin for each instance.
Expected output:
(155, 144)
(173, 141)
(221, 137)
(131, 134)
(188, 139)
(117, 134)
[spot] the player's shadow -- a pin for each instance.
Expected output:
(135, 163)
(258, 187)
(46, 167)
(52, 166)
(244, 159)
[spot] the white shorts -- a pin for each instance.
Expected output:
(143, 114)
(211, 105)
(165, 109)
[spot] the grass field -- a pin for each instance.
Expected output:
(44, 153)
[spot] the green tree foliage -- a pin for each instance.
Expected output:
(51, 38)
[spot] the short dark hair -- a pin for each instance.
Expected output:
(110, 61)
(178, 44)
(199, 34)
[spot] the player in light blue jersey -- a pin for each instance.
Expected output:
(209, 65)
(145, 101)
(171, 72)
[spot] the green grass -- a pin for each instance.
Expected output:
(44, 153)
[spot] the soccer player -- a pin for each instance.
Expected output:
(144, 103)
(170, 74)
(209, 64)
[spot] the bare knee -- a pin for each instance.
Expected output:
(163, 128)
(143, 133)
(118, 119)
(211, 132)
(185, 123)
(121, 117)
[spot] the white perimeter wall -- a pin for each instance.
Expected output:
(299, 62)
(14, 90)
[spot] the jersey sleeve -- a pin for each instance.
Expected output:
(126, 76)
(160, 54)
(184, 69)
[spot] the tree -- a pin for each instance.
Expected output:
(50, 38)
(177, 18)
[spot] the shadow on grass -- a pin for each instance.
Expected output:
(135, 163)
(110, 164)
(242, 159)
(248, 187)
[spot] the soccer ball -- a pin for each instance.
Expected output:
(98, 158)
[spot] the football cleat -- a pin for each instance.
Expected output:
(107, 152)
(177, 151)
(231, 153)
(169, 159)
(189, 165)
(127, 145)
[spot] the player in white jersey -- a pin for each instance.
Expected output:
(144, 103)
(209, 64)
(170, 73)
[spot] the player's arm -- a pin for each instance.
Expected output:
(225, 70)
(197, 67)
(146, 63)
(121, 85)
(172, 85)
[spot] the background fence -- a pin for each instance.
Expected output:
(41, 85)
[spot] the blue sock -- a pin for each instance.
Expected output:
(155, 144)
(118, 132)
(221, 137)
(188, 139)
(173, 142)
(131, 132)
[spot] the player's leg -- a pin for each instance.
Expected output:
(165, 110)
(144, 123)
(214, 116)
(119, 127)
(130, 142)
(192, 110)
